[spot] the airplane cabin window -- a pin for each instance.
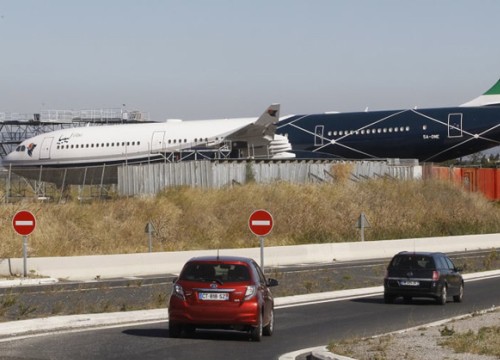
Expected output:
(407, 128)
(424, 127)
(138, 143)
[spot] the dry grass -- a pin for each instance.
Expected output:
(484, 342)
(187, 218)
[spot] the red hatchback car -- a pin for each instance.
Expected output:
(223, 293)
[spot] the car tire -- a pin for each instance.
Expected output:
(458, 298)
(256, 332)
(269, 328)
(389, 299)
(174, 330)
(441, 300)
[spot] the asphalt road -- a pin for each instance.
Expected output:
(296, 327)
(111, 295)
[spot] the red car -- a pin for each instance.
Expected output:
(223, 293)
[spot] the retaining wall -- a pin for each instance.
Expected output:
(109, 266)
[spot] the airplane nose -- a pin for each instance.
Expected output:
(10, 158)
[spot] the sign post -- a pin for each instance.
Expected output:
(24, 223)
(362, 223)
(261, 224)
(150, 229)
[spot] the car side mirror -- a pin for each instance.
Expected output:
(272, 282)
(175, 279)
(459, 269)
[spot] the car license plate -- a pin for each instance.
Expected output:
(409, 283)
(214, 296)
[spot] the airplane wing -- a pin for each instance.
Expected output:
(259, 139)
(262, 130)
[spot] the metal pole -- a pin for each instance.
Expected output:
(262, 253)
(25, 255)
(150, 237)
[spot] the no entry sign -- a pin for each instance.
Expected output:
(260, 222)
(24, 222)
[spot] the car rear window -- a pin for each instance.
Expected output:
(218, 272)
(413, 262)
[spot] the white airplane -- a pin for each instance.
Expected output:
(134, 143)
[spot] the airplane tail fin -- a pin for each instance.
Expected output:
(268, 121)
(490, 97)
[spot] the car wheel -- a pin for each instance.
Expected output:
(269, 328)
(174, 330)
(441, 300)
(256, 332)
(389, 299)
(458, 298)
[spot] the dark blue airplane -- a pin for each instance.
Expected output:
(429, 135)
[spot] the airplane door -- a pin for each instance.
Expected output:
(454, 125)
(158, 141)
(45, 148)
(318, 135)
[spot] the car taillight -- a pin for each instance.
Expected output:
(251, 291)
(435, 275)
(179, 292)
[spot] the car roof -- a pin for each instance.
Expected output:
(222, 259)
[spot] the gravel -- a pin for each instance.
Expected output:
(420, 343)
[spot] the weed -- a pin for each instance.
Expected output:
(490, 259)
(7, 302)
(484, 342)
(447, 331)
(309, 285)
(25, 310)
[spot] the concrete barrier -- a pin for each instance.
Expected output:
(109, 266)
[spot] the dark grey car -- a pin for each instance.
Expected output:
(423, 274)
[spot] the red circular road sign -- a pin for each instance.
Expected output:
(24, 222)
(260, 222)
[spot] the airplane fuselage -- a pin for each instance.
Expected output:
(431, 135)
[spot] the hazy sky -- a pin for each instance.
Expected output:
(227, 58)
